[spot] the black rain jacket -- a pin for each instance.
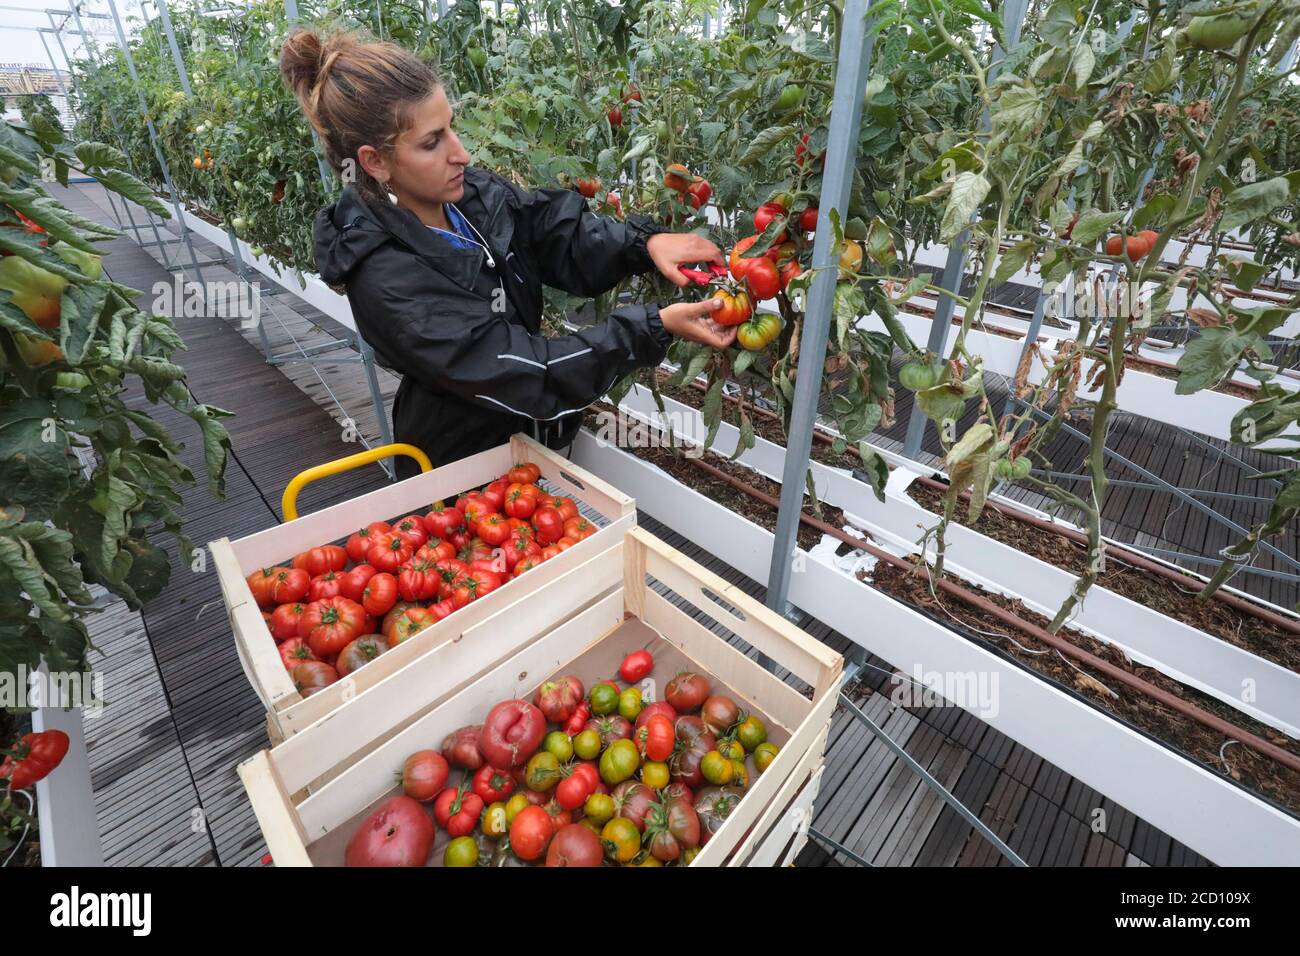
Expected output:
(463, 327)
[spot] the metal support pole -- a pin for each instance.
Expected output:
(931, 782)
(58, 74)
(854, 63)
(153, 139)
(90, 37)
(1013, 19)
(1215, 562)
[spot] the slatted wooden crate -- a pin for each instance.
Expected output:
(766, 827)
(287, 710)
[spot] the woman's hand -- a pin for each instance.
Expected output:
(693, 321)
(672, 249)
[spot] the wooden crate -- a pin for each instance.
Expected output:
(771, 815)
(288, 711)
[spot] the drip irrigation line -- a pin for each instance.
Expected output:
(1117, 674)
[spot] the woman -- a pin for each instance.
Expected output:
(444, 263)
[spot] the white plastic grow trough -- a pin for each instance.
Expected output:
(1205, 412)
(316, 293)
(1209, 813)
(1213, 666)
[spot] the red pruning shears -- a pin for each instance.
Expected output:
(701, 276)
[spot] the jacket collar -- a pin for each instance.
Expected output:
(351, 229)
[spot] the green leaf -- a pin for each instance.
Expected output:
(1156, 209)
(977, 437)
(1209, 357)
(968, 191)
(711, 410)
(1082, 62)
(743, 361)
(102, 155)
(1247, 203)
(1162, 73)
(1243, 272)
(875, 469)
(16, 320)
(216, 444)
(124, 184)
(1012, 261)
(81, 308)
(27, 202)
(19, 559)
(764, 142)
(35, 467)
(640, 147)
(1074, 159)
(1093, 225)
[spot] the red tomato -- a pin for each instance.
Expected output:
(288, 585)
(399, 833)
(440, 609)
(359, 653)
(789, 269)
(549, 524)
(353, 583)
(524, 474)
(526, 565)
(380, 594)
(763, 279)
(657, 738)
(293, 652)
(409, 623)
(310, 677)
(566, 507)
(808, 219)
(531, 833)
(700, 191)
(738, 264)
(518, 548)
(35, 756)
(418, 581)
(574, 725)
(324, 586)
(460, 747)
(495, 493)
(578, 528)
(472, 585)
(434, 551)
(424, 775)
(330, 625)
(549, 552)
(359, 543)
(413, 530)
(493, 529)
(474, 505)
(520, 503)
(765, 214)
(284, 620)
(658, 707)
(573, 791)
(390, 552)
(457, 810)
(317, 561)
(492, 784)
(261, 583)
(687, 691)
(443, 520)
(636, 666)
(511, 733)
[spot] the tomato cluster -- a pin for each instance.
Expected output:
(692, 189)
(575, 777)
(337, 607)
(1134, 247)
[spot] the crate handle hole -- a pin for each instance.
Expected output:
(573, 481)
(726, 606)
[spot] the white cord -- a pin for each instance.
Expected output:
(19, 845)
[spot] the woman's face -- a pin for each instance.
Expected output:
(427, 165)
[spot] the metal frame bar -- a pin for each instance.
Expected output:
(1156, 479)
(944, 793)
(1124, 482)
(854, 62)
(1215, 562)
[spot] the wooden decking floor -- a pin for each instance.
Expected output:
(182, 715)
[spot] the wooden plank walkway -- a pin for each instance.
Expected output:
(163, 758)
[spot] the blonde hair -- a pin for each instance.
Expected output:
(355, 91)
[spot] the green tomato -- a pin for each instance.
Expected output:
(751, 733)
(604, 700)
(619, 762)
(629, 703)
(790, 97)
(557, 742)
(462, 851)
(764, 754)
(543, 771)
(477, 56)
(239, 224)
(587, 745)
(915, 376)
(599, 808)
(73, 380)
(255, 250)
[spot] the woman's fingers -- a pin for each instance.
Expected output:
(694, 321)
(668, 250)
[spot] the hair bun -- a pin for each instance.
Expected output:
(300, 60)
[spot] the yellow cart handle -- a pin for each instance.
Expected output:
(289, 502)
